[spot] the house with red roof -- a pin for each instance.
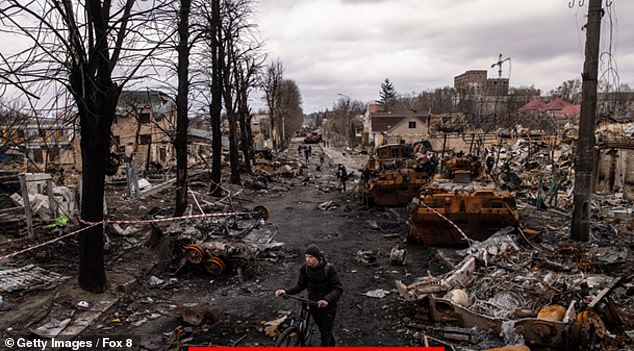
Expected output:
(568, 113)
(556, 109)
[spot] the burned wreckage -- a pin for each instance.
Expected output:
(394, 173)
(461, 203)
(462, 195)
(524, 285)
(220, 246)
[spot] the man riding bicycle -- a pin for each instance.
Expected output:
(321, 280)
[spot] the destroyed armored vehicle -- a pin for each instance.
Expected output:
(394, 174)
(313, 138)
(458, 205)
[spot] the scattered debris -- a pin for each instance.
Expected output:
(29, 277)
(52, 328)
(195, 314)
(272, 327)
(377, 293)
(328, 205)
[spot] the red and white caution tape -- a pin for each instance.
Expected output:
(47, 242)
(464, 236)
(167, 219)
(92, 224)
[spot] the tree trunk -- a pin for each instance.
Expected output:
(246, 139)
(96, 113)
(182, 122)
(215, 107)
(234, 156)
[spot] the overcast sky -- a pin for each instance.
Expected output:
(331, 47)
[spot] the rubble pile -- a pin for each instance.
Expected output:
(509, 285)
(540, 172)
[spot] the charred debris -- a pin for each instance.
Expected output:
(500, 219)
(519, 281)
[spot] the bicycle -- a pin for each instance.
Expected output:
(298, 332)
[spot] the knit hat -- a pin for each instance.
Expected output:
(313, 250)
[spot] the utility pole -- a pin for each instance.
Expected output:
(580, 227)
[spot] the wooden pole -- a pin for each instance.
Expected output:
(27, 206)
(580, 227)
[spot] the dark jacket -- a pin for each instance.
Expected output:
(342, 172)
(320, 285)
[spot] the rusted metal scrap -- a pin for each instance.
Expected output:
(220, 254)
(508, 314)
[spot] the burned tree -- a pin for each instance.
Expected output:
(182, 119)
(215, 86)
(232, 64)
(80, 46)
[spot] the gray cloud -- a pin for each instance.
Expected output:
(350, 46)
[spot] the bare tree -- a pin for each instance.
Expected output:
(569, 90)
(289, 109)
(271, 85)
(231, 62)
(215, 87)
(247, 74)
(81, 46)
(345, 110)
(182, 119)
(12, 120)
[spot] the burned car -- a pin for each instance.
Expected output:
(394, 173)
(460, 204)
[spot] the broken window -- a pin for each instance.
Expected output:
(59, 135)
(144, 117)
(37, 156)
(53, 155)
(145, 139)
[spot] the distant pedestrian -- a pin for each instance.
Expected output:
(310, 150)
(342, 176)
(322, 157)
(490, 162)
(306, 154)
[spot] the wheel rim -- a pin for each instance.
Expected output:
(215, 266)
(194, 253)
(261, 212)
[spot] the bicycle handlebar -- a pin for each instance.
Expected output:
(300, 299)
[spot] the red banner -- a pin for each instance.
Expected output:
(360, 348)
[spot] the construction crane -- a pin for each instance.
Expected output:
(499, 63)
